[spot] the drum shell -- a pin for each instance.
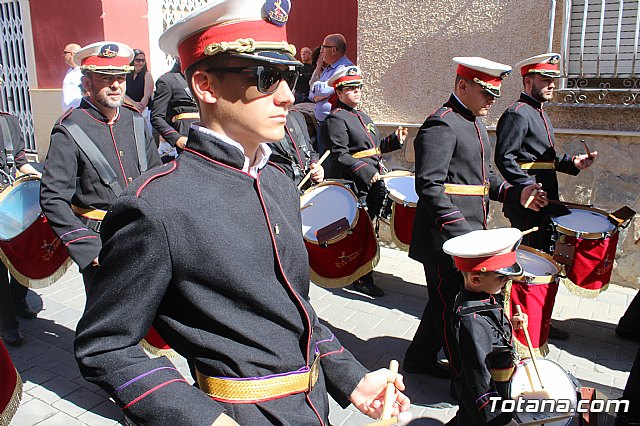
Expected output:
(402, 218)
(536, 296)
(35, 257)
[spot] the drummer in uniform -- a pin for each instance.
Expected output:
(357, 147)
(454, 182)
(481, 334)
(12, 294)
(226, 286)
(525, 152)
(174, 109)
(96, 150)
(294, 154)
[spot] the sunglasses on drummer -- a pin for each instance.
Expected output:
(267, 78)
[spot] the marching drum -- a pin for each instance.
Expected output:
(33, 254)
(586, 245)
(338, 234)
(558, 385)
(535, 291)
(402, 192)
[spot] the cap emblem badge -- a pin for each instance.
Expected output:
(278, 11)
(109, 51)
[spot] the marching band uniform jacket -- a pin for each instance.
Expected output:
(69, 176)
(294, 154)
(350, 131)
(226, 286)
(452, 146)
(525, 135)
(15, 134)
(171, 98)
(483, 343)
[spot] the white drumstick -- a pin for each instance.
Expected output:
(530, 199)
(387, 406)
(308, 175)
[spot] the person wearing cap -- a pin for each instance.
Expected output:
(13, 295)
(525, 147)
(481, 335)
(294, 154)
(174, 109)
(454, 182)
(96, 151)
(226, 286)
(356, 149)
(525, 152)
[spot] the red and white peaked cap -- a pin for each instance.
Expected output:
(486, 250)
(488, 74)
(252, 29)
(547, 64)
(105, 57)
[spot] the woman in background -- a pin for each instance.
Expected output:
(140, 86)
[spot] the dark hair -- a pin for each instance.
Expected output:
(137, 52)
(314, 56)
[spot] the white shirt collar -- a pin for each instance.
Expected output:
(262, 154)
(461, 103)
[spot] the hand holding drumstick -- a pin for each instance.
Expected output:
(583, 161)
(533, 197)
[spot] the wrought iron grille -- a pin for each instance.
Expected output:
(163, 14)
(14, 93)
(601, 66)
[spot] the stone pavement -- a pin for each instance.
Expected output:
(376, 331)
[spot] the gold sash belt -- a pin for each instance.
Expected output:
(502, 374)
(94, 214)
(185, 116)
(367, 153)
(538, 165)
(455, 189)
(260, 388)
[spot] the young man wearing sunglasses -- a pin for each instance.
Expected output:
(227, 284)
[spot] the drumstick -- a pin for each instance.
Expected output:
(587, 149)
(529, 231)
(530, 199)
(525, 328)
(308, 205)
(387, 406)
(308, 175)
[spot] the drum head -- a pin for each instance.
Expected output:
(558, 385)
(585, 221)
(331, 202)
(535, 265)
(19, 208)
(403, 190)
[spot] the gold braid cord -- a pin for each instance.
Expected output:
(94, 68)
(248, 45)
(14, 402)
(152, 350)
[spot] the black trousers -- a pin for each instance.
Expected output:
(12, 293)
(631, 318)
(632, 393)
(444, 282)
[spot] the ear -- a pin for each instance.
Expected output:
(86, 83)
(203, 84)
(474, 279)
(462, 85)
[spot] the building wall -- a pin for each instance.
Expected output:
(405, 49)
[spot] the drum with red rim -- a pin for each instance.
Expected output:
(34, 255)
(535, 291)
(402, 192)
(338, 234)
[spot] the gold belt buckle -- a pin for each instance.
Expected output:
(486, 187)
(314, 373)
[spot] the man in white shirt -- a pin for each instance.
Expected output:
(71, 92)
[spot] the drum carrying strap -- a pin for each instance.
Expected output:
(140, 139)
(105, 171)
(6, 140)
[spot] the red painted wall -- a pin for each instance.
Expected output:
(56, 23)
(311, 20)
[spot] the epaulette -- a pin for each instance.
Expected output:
(158, 172)
(65, 114)
(131, 107)
(440, 112)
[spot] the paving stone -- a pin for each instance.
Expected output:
(77, 402)
(35, 376)
(33, 412)
(61, 419)
(105, 414)
(54, 389)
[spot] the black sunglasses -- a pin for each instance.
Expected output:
(267, 78)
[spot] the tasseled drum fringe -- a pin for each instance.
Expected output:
(152, 350)
(14, 403)
(36, 283)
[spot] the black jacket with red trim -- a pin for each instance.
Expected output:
(172, 97)
(17, 140)
(349, 131)
(483, 342)
(525, 135)
(70, 178)
(452, 146)
(221, 271)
